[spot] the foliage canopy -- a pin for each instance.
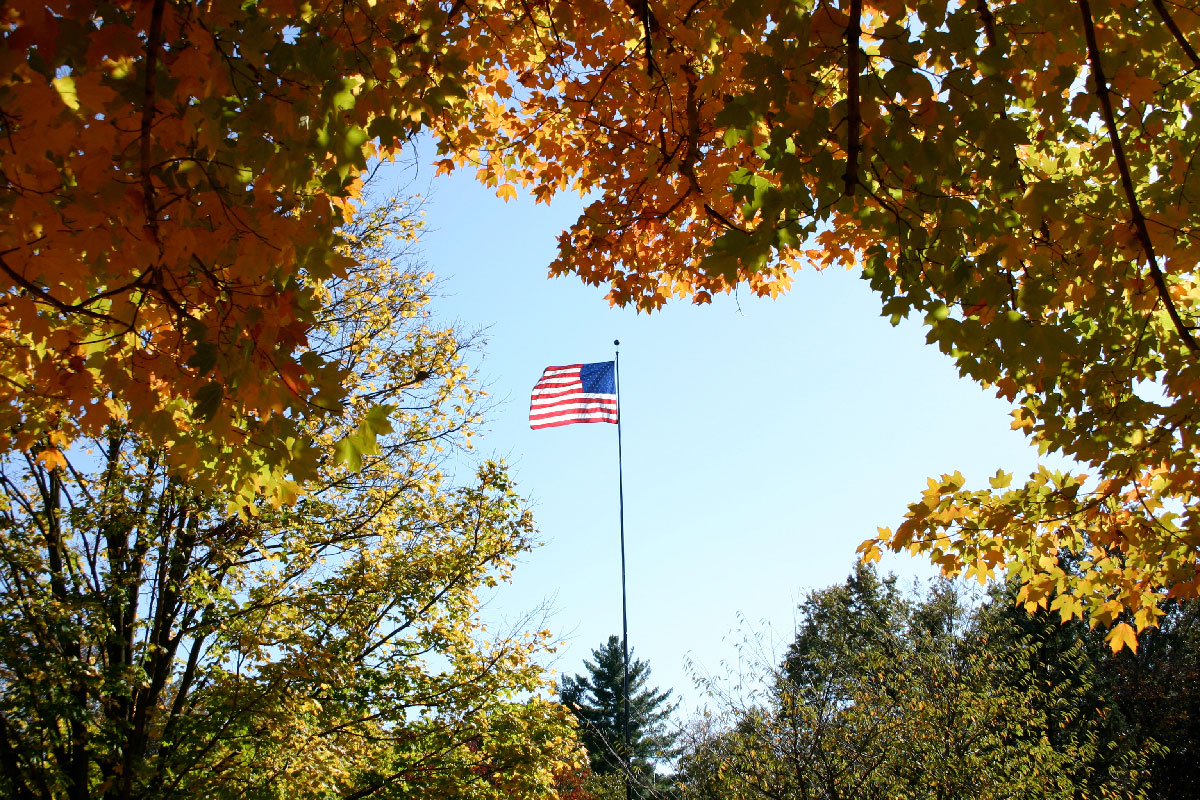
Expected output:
(155, 644)
(1018, 173)
(882, 695)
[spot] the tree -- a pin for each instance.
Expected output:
(1158, 689)
(1018, 174)
(176, 175)
(176, 180)
(154, 643)
(885, 696)
(598, 701)
(1148, 699)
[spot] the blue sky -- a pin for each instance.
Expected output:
(763, 440)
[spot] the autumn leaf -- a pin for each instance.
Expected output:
(1121, 636)
(52, 458)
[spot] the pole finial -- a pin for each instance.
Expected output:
(617, 342)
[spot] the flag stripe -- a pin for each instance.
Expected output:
(583, 412)
(582, 406)
(568, 421)
(568, 396)
(578, 410)
(559, 391)
(574, 393)
(560, 380)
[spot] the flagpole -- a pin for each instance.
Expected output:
(624, 604)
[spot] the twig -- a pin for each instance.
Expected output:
(989, 21)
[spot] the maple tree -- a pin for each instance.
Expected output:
(1017, 173)
(176, 177)
(154, 643)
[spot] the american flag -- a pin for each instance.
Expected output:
(574, 393)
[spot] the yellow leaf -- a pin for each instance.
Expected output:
(1122, 636)
(52, 458)
(1144, 617)
(65, 86)
(507, 191)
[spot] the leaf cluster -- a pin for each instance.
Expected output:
(1018, 175)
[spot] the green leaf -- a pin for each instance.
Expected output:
(377, 419)
(207, 400)
(364, 441)
(205, 357)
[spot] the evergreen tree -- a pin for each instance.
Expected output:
(597, 701)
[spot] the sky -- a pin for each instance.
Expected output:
(763, 440)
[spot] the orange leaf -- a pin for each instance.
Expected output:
(52, 458)
(1122, 636)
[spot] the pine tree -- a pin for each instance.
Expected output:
(597, 701)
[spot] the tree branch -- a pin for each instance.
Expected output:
(988, 20)
(1169, 21)
(853, 115)
(1139, 221)
(153, 43)
(649, 25)
(11, 764)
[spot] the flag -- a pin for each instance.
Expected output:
(574, 393)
